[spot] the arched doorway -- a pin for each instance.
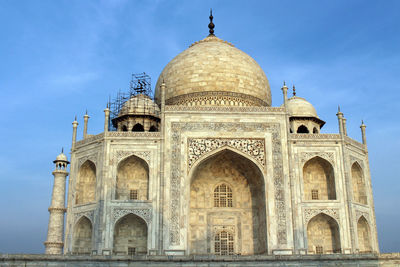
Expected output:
(82, 237)
(364, 236)
(130, 236)
(323, 235)
(318, 180)
(86, 183)
(132, 179)
(227, 206)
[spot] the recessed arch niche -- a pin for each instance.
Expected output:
(357, 177)
(364, 235)
(130, 235)
(323, 235)
(132, 174)
(86, 183)
(82, 237)
(318, 180)
(230, 175)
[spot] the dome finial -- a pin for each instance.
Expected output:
(294, 90)
(62, 150)
(211, 24)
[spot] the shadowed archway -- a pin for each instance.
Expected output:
(227, 195)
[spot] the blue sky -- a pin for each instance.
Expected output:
(59, 58)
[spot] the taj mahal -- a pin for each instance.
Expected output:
(206, 167)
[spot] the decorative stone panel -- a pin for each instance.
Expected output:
(310, 213)
(121, 154)
(362, 213)
(329, 156)
(359, 161)
(89, 214)
(178, 128)
(145, 214)
(92, 158)
(197, 147)
(215, 98)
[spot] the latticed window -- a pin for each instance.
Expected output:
(131, 251)
(223, 196)
(319, 250)
(314, 194)
(223, 243)
(133, 195)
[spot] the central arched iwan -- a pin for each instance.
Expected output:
(227, 195)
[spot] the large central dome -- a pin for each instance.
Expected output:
(214, 72)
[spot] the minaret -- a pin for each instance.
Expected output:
(284, 90)
(54, 243)
(344, 126)
(74, 128)
(339, 114)
(364, 138)
(85, 125)
(106, 118)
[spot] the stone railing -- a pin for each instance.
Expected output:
(90, 139)
(315, 136)
(101, 136)
(353, 142)
(224, 108)
(134, 134)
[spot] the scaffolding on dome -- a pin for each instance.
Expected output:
(140, 84)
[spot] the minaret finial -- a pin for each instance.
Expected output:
(211, 24)
(338, 108)
(294, 90)
(86, 112)
(75, 117)
(284, 83)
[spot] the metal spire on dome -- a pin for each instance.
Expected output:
(62, 150)
(294, 90)
(211, 24)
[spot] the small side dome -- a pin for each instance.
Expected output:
(299, 107)
(61, 157)
(140, 105)
(138, 114)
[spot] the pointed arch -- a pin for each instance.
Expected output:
(318, 180)
(132, 181)
(82, 236)
(315, 130)
(214, 152)
(130, 235)
(364, 235)
(323, 236)
(302, 129)
(138, 128)
(85, 187)
(153, 129)
(246, 219)
(358, 182)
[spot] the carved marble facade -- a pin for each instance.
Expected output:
(223, 174)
